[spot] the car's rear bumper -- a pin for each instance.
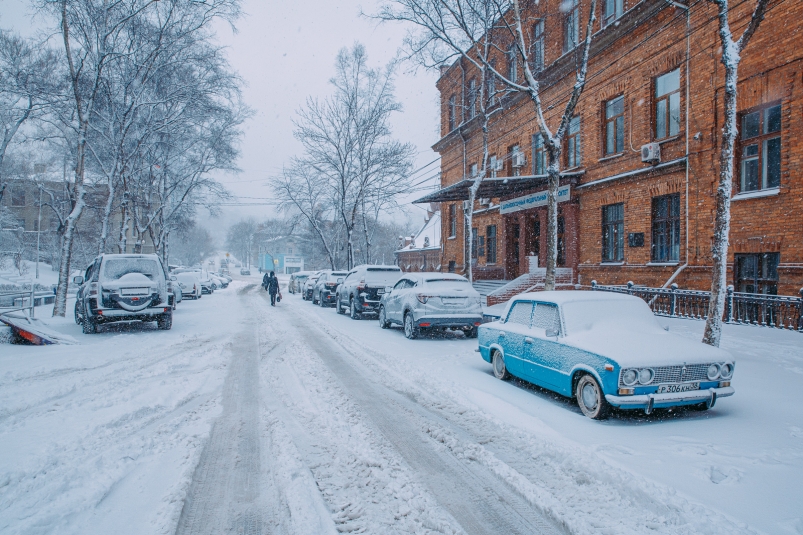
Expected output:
(147, 314)
(446, 321)
(643, 401)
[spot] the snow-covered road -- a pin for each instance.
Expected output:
(296, 420)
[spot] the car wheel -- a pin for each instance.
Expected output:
(353, 307)
(498, 363)
(383, 320)
(165, 322)
(321, 302)
(591, 399)
(471, 333)
(78, 312)
(88, 326)
(410, 330)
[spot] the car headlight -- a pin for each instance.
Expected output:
(713, 371)
(645, 376)
(726, 371)
(629, 377)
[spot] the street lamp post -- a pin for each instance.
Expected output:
(38, 231)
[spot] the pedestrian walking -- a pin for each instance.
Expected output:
(273, 288)
(265, 281)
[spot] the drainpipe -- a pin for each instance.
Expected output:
(688, 83)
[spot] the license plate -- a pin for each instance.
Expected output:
(380, 291)
(134, 291)
(673, 389)
(453, 302)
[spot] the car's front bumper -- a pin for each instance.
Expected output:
(448, 320)
(643, 401)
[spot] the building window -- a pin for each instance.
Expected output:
(17, 196)
(757, 273)
(761, 149)
(537, 52)
(667, 105)
(571, 25)
(512, 64)
(493, 165)
(474, 243)
(573, 158)
(539, 155)
(452, 112)
(452, 221)
(481, 246)
(615, 126)
(613, 233)
(490, 247)
(452, 266)
(612, 11)
(561, 241)
(666, 228)
(472, 98)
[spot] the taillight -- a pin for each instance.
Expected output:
(93, 288)
(423, 298)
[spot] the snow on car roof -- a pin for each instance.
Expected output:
(436, 275)
(572, 296)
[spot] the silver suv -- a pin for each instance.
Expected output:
(431, 301)
(123, 287)
(362, 289)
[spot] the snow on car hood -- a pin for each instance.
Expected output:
(631, 348)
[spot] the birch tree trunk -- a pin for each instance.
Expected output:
(731, 56)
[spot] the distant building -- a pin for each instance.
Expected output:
(282, 255)
(422, 252)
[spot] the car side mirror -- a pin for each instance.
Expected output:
(551, 333)
(78, 279)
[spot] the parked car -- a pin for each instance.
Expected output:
(190, 284)
(605, 349)
(323, 292)
(309, 284)
(218, 281)
(123, 287)
(207, 285)
(297, 279)
(363, 288)
(430, 301)
(245, 271)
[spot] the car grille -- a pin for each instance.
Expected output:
(675, 374)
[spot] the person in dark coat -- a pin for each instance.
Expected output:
(273, 288)
(265, 281)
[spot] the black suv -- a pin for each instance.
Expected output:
(323, 293)
(362, 289)
(123, 287)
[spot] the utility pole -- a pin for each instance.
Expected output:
(38, 231)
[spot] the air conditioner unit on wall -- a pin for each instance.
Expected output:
(518, 159)
(651, 153)
(484, 201)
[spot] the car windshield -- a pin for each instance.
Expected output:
(385, 276)
(448, 284)
(619, 315)
(116, 268)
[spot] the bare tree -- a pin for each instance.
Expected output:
(347, 140)
(446, 29)
(731, 57)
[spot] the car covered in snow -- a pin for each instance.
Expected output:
(309, 284)
(297, 279)
(123, 287)
(190, 284)
(605, 349)
(431, 301)
(323, 293)
(363, 287)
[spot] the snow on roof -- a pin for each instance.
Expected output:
(429, 237)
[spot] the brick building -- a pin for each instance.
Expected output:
(654, 77)
(422, 252)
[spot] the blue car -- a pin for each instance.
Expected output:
(605, 349)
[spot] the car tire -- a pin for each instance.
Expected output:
(472, 332)
(591, 399)
(165, 322)
(88, 326)
(322, 302)
(410, 329)
(353, 309)
(78, 317)
(383, 321)
(498, 364)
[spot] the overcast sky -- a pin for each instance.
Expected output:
(285, 52)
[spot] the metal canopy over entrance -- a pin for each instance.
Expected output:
(491, 187)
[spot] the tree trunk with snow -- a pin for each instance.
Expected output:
(731, 56)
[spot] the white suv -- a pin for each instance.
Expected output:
(432, 301)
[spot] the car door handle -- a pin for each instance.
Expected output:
(528, 340)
